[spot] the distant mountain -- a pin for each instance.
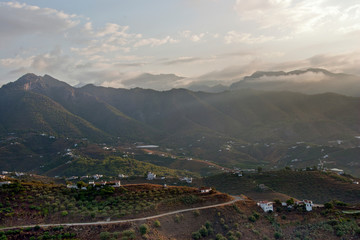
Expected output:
(310, 81)
(159, 82)
(176, 117)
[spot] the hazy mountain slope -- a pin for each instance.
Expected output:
(247, 114)
(94, 110)
(310, 81)
(180, 116)
(27, 111)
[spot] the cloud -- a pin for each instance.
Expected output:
(192, 37)
(154, 42)
(247, 38)
(183, 60)
(305, 77)
(299, 16)
(19, 19)
(154, 81)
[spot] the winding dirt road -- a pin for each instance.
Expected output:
(236, 198)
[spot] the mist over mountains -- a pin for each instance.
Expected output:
(309, 81)
(178, 116)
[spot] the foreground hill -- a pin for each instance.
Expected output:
(240, 220)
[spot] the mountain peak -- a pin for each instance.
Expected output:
(31, 81)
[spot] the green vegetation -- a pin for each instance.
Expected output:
(56, 203)
(320, 187)
(112, 165)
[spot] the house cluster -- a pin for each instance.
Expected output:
(96, 184)
(267, 206)
(17, 174)
(5, 183)
(95, 176)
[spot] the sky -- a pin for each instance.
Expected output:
(163, 44)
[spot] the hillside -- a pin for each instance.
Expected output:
(315, 185)
(244, 128)
(241, 220)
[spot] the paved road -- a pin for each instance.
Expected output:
(236, 198)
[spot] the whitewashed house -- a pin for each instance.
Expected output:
(114, 183)
(266, 206)
(151, 176)
(187, 179)
(205, 189)
(307, 203)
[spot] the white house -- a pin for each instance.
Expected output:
(114, 183)
(187, 179)
(151, 176)
(5, 183)
(205, 189)
(74, 186)
(307, 203)
(338, 171)
(266, 206)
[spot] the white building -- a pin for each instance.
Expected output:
(266, 206)
(114, 183)
(205, 190)
(187, 179)
(338, 171)
(151, 176)
(307, 203)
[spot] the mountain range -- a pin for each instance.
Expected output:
(174, 117)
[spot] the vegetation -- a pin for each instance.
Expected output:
(56, 203)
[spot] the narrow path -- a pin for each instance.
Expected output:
(236, 198)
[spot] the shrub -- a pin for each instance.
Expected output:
(277, 235)
(328, 205)
(64, 213)
(196, 213)
(203, 231)
(105, 235)
(196, 235)
(144, 228)
(128, 234)
(157, 223)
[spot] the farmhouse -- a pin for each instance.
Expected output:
(266, 206)
(307, 203)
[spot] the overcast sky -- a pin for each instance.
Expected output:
(112, 42)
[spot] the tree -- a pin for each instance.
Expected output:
(80, 184)
(259, 169)
(290, 201)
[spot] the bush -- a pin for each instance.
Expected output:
(128, 234)
(203, 231)
(328, 205)
(196, 213)
(64, 213)
(105, 235)
(144, 228)
(277, 235)
(157, 223)
(196, 235)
